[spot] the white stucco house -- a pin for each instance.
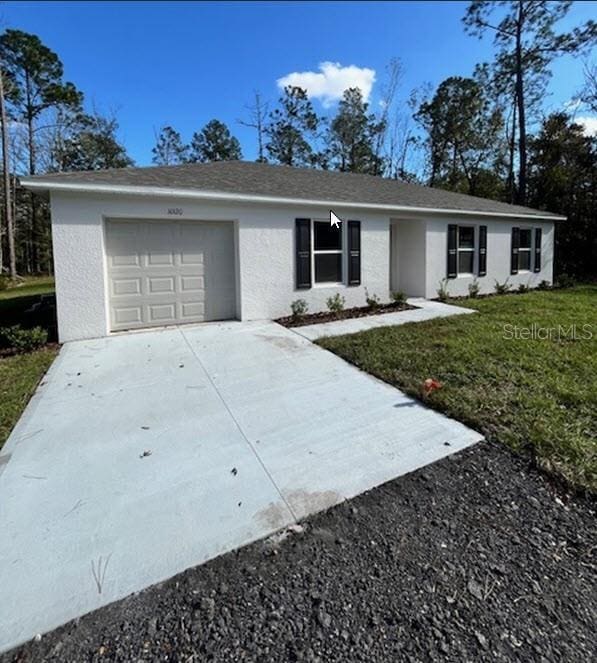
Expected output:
(146, 247)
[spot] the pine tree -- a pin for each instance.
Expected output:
(214, 143)
(169, 148)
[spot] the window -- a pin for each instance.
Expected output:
(524, 250)
(466, 249)
(327, 252)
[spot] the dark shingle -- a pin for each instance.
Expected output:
(249, 178)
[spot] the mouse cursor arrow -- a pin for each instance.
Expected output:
(334, 220)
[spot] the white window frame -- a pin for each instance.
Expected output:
(472, 250)
(314, 252)
(528, 250)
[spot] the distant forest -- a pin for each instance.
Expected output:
(484, 135)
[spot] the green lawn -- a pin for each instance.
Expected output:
(534, 395)
(30, 286)
(20, 374)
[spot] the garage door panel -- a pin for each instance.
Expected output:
(169, 273)
(162, 313)
(128, 316)
(126, 287)
(192, 309)
(160, 284)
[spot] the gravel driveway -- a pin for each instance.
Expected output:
(477, 557)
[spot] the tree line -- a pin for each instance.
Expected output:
(483, 135)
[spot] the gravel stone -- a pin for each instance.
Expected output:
(482, 559)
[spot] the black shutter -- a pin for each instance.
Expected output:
(354, 253)
(514, 249)
(482, 250)
(452, 251)
(537, 263)
(303, 253)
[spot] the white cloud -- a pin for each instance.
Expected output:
(589, 124)
(330, 81)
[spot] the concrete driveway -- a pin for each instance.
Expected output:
(144, 454)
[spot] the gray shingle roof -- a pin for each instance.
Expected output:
(257, 179)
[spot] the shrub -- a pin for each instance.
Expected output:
(473, 288)
(544, 285)
(23, 340)
(4, 283)
(442, 292)
(372, 300)
(502, 288)
(398, 297)
(565, 281)
(299, 307)
(336, 303)
(522, 288)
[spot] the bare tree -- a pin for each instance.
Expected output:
(394, 73)
(257, 117)
(589, 93)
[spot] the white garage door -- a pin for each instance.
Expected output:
(169, 272)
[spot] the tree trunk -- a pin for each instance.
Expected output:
(12, 263)
(31, 145)
(511, 149)
(522, 132)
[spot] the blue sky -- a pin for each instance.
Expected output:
(184, 63)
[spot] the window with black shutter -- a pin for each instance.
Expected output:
(303, 253)
(482, 262)
(354, 253)
(515, 242)
(327, 252)
(452, 251)
(525, 242)
(537, 262)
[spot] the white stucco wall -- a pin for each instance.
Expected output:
(499, 234)
(265, 255)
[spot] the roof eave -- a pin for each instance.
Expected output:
(40, 185)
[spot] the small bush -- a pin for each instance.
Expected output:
(372, 300)
(474, 288)
(442, 292)
(544, 285)
(23, 340)
(398, 297)
(4, 283)
(299, 307)
(522, 288)
(336, 303)
(502, 288)
(565, 281)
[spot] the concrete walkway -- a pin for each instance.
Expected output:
(144, 454)
(426, 310)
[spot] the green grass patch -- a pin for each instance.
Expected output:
(533, 394)
(17, 301)
(29, 286)
(19, 376)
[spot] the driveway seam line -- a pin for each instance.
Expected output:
(237, 424)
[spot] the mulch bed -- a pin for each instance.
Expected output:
(346, 314)
(477, 557)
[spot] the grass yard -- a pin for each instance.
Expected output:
(20, 374)
(535, 395)
(29, 287)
